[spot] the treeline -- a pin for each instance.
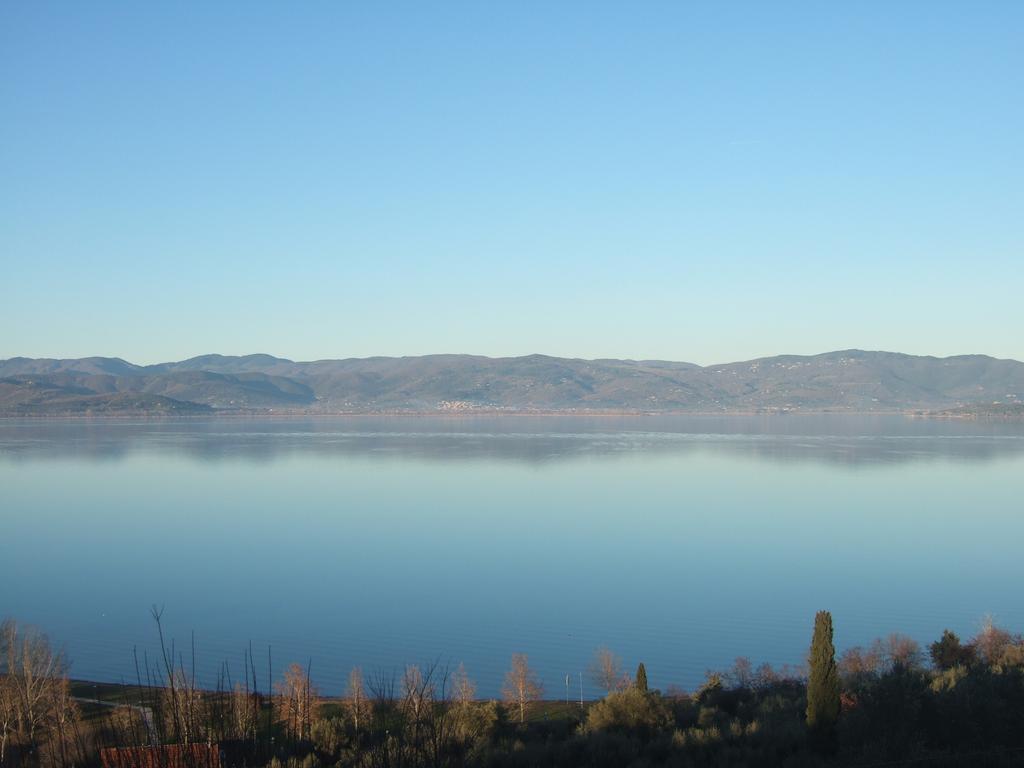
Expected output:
(891, 703)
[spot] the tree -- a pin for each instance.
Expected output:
(521, 685)
(902, 651)
(641, 678)
(183, 709)
(356, 702)
(948, 652)
(299, 701)
(991, 642)
(417, 693)
(606, 671)
(823, 686)
(710, 691)
(8, 713)
(471, 721)
(243, 713)
(463, 690)
(742, 673)
(65, 718)
(859, 664)
(33, 678)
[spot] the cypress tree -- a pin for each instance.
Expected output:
(823, 685)
(641, 678)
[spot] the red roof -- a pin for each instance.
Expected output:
(168, 756)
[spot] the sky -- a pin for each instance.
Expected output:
(700, 181)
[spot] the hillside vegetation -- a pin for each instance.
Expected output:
(853, 381)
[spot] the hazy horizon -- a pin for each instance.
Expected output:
(291, 358)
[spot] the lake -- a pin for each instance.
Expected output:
(682, 542)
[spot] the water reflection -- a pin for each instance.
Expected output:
(379, 541)
(841, 440)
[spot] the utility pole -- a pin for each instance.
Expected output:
(566, 690)
(581, 691)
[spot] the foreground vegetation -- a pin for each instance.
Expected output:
(959, 703)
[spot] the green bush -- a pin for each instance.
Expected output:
(631, 710)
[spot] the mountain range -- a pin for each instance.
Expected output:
(850, 380)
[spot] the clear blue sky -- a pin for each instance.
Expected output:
(692, 181)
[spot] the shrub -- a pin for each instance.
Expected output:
(629, 710)
(328, 736)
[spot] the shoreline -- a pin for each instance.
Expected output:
(460, 414)
(98, 689)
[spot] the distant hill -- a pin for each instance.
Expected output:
(30, 396)
(850, 380)
(113, 366)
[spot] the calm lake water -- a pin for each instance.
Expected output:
(679, 542)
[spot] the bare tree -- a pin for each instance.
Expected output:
(298, 701)
(857, 662)
(65, 718)
(521, 685)
(430, 721)
(463, 690)
(31, 672)
(903, 651)
(417, 693)
(606, 671)
(244, 711)
(8, 713)
(180, 702)
(992, 641)
(386, 744)
(742, 673)
(417, 708)
(470, 719)
(184, 709)
(357, 703)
